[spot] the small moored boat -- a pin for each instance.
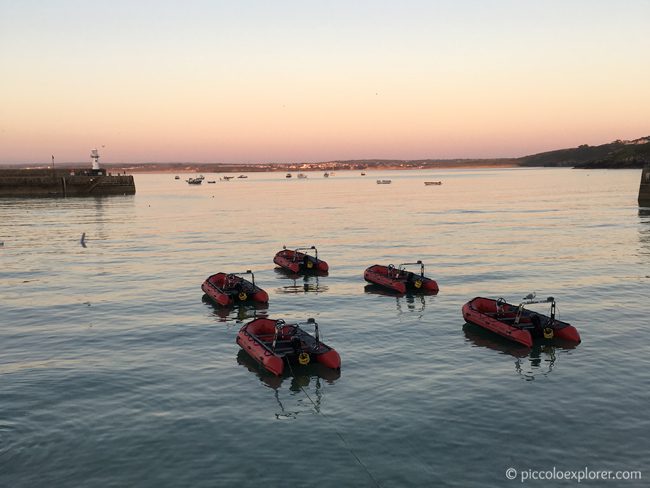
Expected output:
(230, 288)
(384, 182)
(429, 183)
(274, 343)
(399, 279)
(300, 262)
(196, 181)
(517, 323)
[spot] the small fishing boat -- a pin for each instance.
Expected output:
(274, 343)
(363, 174)
(517, 323)
(211, 181)
(302, 176)
(226, 178)
(300, 262)
(230, 288)
(326, 175)
(242, 176)
(177, 177)
(196, 181)
(399, 279)
(384, 182)
(428, 183)
(288, 175)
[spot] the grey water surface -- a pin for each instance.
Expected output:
(115, 372)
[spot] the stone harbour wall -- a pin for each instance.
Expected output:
(63, 183)
(644, 187)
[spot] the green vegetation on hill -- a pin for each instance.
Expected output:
(617, 154)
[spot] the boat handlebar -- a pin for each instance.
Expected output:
(280, 323)
(248, 271)
(530, 301)
(306, 248)
(312, 321)
(403, 265)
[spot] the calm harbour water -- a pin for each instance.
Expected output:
(115, 372)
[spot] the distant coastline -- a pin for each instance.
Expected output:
(614, 155)
(359, 165)
(352, 165)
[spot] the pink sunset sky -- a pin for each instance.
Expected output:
(287, 81)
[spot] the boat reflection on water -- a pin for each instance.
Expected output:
(299, 378)
(382, 290)
(414, 303)
(530, 363)
(301, 283)
(237, 312)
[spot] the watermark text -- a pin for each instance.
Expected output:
(585, 474)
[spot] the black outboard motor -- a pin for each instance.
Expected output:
(296, 345)
(537, 325)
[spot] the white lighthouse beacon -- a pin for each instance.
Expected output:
(94, 155)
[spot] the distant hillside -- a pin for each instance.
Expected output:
(340, 165)
(617, 154)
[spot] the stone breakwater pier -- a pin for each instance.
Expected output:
(63, 183)
(644, 187)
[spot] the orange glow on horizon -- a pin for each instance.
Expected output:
(259, 92)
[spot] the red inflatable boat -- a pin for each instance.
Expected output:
(399, 279)
(517, 323)
(228, 289)
(300, 262)
(272, 343)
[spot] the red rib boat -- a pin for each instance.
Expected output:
(273, 343)
(518, 324)
(399, 279)
(300, 262)
(228, 289)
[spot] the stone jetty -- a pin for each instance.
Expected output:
(644, 187)
(63, 183)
